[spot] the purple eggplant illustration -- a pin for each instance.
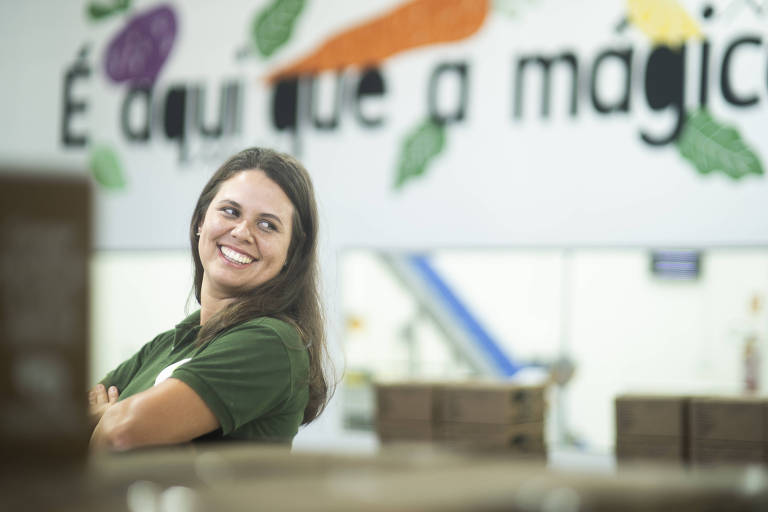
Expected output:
(139, 51)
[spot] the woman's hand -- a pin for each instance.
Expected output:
(99, 400)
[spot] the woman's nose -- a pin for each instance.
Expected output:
(241, 231)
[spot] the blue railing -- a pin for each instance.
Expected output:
(477, 332)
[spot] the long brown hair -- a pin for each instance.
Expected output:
(292, 295)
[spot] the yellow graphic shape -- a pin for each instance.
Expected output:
(355, 323)
(665, 22)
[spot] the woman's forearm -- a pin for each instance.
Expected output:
(164, 414)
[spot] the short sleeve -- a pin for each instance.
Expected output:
(241, 375)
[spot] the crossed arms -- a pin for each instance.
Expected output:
(169, 413)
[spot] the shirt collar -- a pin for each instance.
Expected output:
(191, 321)
(185, 328)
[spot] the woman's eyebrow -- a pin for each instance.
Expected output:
(229, 201)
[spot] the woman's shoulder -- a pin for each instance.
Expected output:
(271, 327)
(268, 338)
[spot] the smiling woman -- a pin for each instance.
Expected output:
(249, 364)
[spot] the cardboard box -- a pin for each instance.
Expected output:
(652, 428)
(527, 437)
(404, 430)
(455, 430)
(44, 327)
(730, 419)
(707, 451)
(404, 401)
(649, 415)
(492, 402)
(651, 448)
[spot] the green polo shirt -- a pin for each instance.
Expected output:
(254, 377)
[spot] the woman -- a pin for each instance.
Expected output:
(249, 364)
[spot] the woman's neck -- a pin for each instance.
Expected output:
(210, 304)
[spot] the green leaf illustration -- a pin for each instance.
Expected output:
(273, 26)
(419, 148)
(99, 10)
(106, 167)
(711, 146)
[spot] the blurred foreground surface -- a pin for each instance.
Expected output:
(402, 477)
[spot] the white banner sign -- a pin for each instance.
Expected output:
(424, 123)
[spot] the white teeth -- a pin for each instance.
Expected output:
(235, 256)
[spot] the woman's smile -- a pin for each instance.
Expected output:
(235, 256)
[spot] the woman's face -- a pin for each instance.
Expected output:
(245, 234)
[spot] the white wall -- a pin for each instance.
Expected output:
(135, 296)
(626, 330)
(630, 332)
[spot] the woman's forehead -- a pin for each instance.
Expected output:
(254, 189)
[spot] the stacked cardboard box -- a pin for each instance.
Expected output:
(729, 430)
(405, 411)
(652, 428)
(491, 415)
(46, 238)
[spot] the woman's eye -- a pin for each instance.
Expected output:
(229, 211)
(266, 225)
